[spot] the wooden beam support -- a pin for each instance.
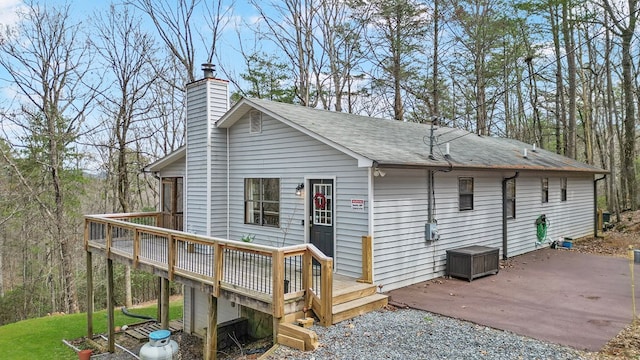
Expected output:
(159, 300)
(211, 343)
(164, 309)
(111, 339)
(89, 295)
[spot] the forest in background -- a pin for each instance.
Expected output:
(88, 103)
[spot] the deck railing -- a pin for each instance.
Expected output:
(269, 274)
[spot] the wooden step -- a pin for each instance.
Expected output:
(353, 308)
(352, 292)
(297, 337)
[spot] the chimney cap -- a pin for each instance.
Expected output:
(209, 70)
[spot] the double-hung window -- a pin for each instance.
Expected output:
(563, 189)
(465, 190)
(545, 190)
(262, 201)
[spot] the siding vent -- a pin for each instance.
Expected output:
(255, 126)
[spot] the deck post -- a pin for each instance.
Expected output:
(110, 303)
(367, 252)
(136, 248)
(307, 279)
(218, 258)
(159, 300)
(171, 263)
(211, 350)
(164, 303)
(89, 295)
(277, 291)
(326, 296)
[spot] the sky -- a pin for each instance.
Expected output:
(241, 12)
(81, 10)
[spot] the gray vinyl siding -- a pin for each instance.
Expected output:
(403, 257)
(572, 218)
(176, 169)
(201, 114)
(280, 151)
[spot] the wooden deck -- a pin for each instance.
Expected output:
(285, 282)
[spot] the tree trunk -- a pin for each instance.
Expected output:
(567, 33)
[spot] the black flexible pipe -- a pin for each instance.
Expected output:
(138, 316)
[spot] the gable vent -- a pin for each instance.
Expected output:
(255, 126)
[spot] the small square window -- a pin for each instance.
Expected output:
(465, 189)
(545, 190)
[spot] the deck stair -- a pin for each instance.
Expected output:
(350, 299)
(355, 300)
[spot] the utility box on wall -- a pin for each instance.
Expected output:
(431, 232)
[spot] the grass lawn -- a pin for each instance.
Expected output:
(41, 338)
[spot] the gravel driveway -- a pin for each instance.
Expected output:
(414, 334)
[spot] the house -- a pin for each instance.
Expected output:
(383, 199)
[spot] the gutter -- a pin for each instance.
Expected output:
(595, 206)
(504, 214)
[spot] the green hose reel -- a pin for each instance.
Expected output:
(542, 224)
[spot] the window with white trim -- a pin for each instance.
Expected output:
(563, 189)
(262, 201)
(545, 190)
(465, 189)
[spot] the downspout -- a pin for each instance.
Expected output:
(504, 214)
(595, 205)
(370, 195)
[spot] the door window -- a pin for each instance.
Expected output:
(322, 204)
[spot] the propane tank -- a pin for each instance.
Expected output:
(159, 347)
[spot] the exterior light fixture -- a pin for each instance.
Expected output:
(299, 189)
(378, 172)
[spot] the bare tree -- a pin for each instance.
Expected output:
(178, 29)
(397, 30)
(291, 25)
(48, 61)
(126, 55)
(624, 25)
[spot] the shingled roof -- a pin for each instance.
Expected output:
(396, 143)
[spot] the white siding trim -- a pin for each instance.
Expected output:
(371, 224)
(208, 169)
(228, 183)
